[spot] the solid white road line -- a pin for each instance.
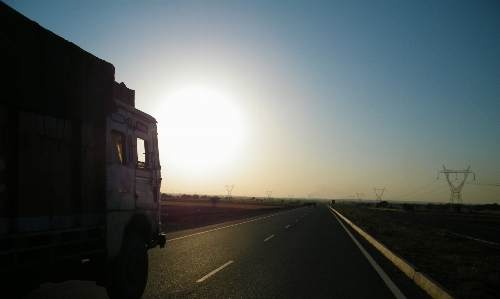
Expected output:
(213, 272)
(268, 238)
(390, 284)
(211, 230)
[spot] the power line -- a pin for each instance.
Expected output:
(441, 187)
(483, 183)
(419, 189)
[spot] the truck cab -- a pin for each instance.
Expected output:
(133, 177)
(133, 182)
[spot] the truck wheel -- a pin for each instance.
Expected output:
(130, 274)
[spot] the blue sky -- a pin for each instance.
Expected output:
(321, 99)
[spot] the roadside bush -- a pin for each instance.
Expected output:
(444, 207)
(382, 204)
(408, 207)
(214, 200)
(492, 207)
(165, 196)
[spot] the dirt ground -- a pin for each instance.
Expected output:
(181, 214)
(222, 204)
(482, 226)
(466, 267)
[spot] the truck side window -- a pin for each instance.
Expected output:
(118, 144)
(142, 149)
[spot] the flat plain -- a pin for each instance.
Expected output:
(465, 266)
(186, 214)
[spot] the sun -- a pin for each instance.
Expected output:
(200, 131)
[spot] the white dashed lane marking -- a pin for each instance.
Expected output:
(268, 238)
(214, 271)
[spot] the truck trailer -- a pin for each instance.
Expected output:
(79, 167)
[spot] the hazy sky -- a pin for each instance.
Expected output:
(321, 99)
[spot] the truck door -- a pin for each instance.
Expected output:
(155, 161)
(120, 168)
(145, 178)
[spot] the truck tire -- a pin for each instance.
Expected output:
(130, 273)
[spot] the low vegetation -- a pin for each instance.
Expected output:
(466, 267)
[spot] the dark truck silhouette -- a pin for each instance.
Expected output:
(79, 167)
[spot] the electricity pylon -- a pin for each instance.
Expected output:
(359, 195)
(456, 195)
(269, 194)
(229, 189)
(379, 196)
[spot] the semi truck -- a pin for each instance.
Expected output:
(79, 167)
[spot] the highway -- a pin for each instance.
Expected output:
(299, 253)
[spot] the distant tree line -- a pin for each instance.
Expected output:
(165, 196)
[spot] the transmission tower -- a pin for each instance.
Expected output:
(359, 196)
(379, 196)
(229, 189)
(456, 196)
(269, 194)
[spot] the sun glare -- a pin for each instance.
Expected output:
(201, 131)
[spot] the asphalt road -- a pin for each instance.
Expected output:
(300, 253)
